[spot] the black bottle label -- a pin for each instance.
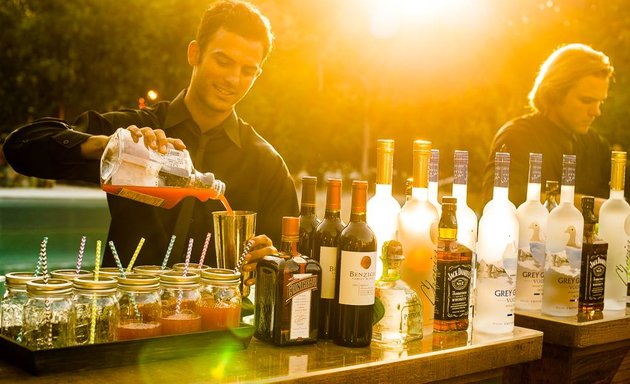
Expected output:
(451, 293)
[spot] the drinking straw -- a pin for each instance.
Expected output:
(188, 254)
(121, 269)
(97, 266)
(237, 268)
(205, 249)
(180, 293)
(42, 262)
(80, 255)
(168, 251)
(135, 255)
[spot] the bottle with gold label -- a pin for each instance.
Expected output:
(383, 208)
(287, 293)
(612, 216)
(417, 232)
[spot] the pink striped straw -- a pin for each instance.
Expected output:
(188, 253)
(205, 249)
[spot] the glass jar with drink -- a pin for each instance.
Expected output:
(140, 308)
(96, 305)
(180, 299)
(220, 299)
(13, 304)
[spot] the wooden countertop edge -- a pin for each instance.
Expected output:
(578, 335)
(439, 365)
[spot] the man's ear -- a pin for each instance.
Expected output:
(193, 53)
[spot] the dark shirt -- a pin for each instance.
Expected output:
(255, 175)
(536, 133)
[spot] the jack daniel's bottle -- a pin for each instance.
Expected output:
(287, 293)
(593, 270)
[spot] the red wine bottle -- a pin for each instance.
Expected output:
(308, 218)
(325, 250)
(356, 271)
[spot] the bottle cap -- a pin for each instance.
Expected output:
(393, 250)
(290, 226)
(333, 195)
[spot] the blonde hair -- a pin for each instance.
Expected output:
(562, 69)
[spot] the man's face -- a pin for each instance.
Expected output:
(581, 105)
(226, 71)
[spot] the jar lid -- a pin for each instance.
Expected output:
(220, 276)
(153, 270)
(88, 283)
(138, 282)
(177, 280)
(52, 288)
(19, 279)
(191, 267)
(69, 274)
(109, 272)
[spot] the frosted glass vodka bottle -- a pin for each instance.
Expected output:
(532, 220)
(383, 208)
(434, 179)
(563, 259)
(417, 232)
(612, 216)
(496, 257)
(466, 218)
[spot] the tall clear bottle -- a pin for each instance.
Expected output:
(417, 232)
(466, 218)
(453, 275)
(356, 269)
(532, 220)
(563, 259)
(383, 208)
(594, 255)
(325, 250)
(308, 217)
(496, 256)
(434, 180)
(612, 216)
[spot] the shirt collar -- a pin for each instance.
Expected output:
(178, 112)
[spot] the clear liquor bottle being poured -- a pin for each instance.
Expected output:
(129, 169)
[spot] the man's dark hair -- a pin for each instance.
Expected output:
(238, 17)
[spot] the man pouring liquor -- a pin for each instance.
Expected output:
(232, 43)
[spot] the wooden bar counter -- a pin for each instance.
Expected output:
(576, 350)
(452, 360)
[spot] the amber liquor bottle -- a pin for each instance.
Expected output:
(453, 274)
(356, 273)
(308, 218)
(593, 269)
(325, 242)
(287, 293)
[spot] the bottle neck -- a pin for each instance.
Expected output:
(332, 215)
(500, 193)
(307, 210)
(289, 246)
(383, 190)
(617, 194)
(391, 271)
(533, 192)
(421, 194)
(447, 229)
(460, 191)
(567, 193)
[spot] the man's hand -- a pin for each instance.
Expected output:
(154, 138)
(261, 246)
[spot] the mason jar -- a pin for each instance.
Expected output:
(95, 298)
(220, 299)
(49, 316)
(13, 304)
(180, 303)
(140, 308)
(153, 270)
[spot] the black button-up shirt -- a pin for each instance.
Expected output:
(255, 175)
(536, 133)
